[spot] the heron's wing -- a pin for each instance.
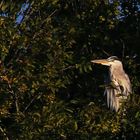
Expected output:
(125, 85)
(112, 99)
(128, 83)
(113, 93)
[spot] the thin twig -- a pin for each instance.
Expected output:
(46, 19)
(1, 4)
(4, 134)
(26, 108)
(13, 93)
(15, 97)
(123, 48)
(69, 67)
(106, 53)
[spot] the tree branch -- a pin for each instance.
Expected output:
(4, 133)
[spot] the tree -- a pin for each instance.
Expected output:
(48, 87)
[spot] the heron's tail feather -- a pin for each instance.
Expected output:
(114, 98)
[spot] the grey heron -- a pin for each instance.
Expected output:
(118, 87)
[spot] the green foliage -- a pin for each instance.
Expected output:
(49, 89)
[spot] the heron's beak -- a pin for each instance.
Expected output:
(101, 61)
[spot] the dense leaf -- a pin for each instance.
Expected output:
(49, 89)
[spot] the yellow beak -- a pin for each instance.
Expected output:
(101, 61)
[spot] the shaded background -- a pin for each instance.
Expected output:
(49, 88)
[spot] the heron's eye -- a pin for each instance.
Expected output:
(110, 60)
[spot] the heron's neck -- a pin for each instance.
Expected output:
(116, 72)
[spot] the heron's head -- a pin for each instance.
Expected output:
(111, 61)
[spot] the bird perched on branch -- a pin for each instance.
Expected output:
(118, 87)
